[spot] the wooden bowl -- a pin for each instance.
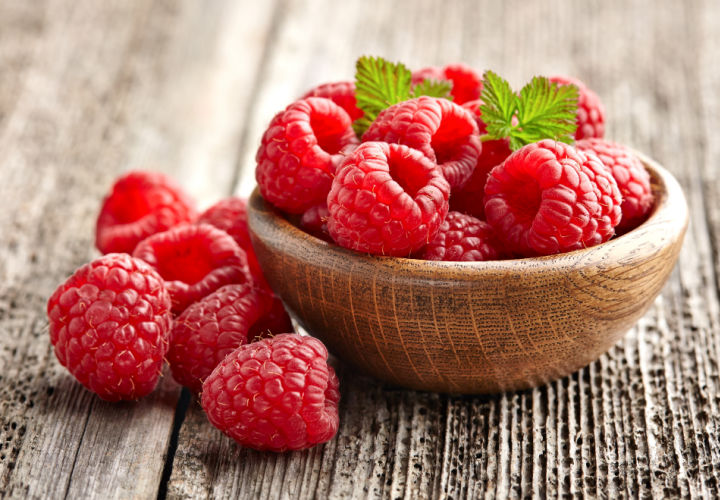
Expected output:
(472, 327)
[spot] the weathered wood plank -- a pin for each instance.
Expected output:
(643, 419)
(97, 88)
(38, 154)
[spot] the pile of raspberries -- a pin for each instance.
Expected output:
(185, 289)
(420, 182)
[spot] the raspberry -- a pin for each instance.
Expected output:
(428, 73)
(194, 260)
(274, 320)
(299, 153)
(463, 238)
(632, 179)
(212, 327)
(469, 198)
(467, 84)
(590, 112)
(275, 394)
(230, 215)
(387, 199)
(140, 204)
(342, 94)
(109, 323)
(445, 132)
(474, 108)
(609, 198)
(548, 198)
(314, 221)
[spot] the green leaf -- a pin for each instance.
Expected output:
(547, 109)
(433, 88)
(499, 105)
(378, 85)
(362, 124)
(543, 110)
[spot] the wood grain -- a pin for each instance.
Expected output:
(472, 328)
(94, 89)
(610, 430)
(88, 89)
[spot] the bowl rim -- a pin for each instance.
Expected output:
(670, 210)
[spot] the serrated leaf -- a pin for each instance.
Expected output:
(547, 110)
(499, 105)
(433, 88)
(543, 110)
(379, 84)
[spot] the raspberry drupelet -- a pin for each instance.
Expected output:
(631, 177)
(548, 198)
(109, 324)
(140, 204)
(609, 199)
(466, 83)
(590, 111)
(194, 260)
(445, 132)
(341, 93)
(230, 215)
(276, 394)
(387, 199)
(463, 238)
(300, 152)
(209, 329)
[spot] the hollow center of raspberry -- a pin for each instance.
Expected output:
(409, 173)
(329, 135)
(186, 261)
(444, 151)
(447, 138)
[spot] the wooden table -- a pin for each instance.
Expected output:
(89, 89)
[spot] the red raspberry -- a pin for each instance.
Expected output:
(445, 132)
(341, 93)
(300, 153)
(110, 323)
(230, 215)
(474, 108)
(609, 197)
(274, 320)
(194, 261)
(275, 394)
(548, 198)
(209, 329)
(463, 238)
(314, 221)
(590, 112)
(469, 198)
(467, 84)
(140, 204)
(387, 199)
(632, 179)
(428, 73)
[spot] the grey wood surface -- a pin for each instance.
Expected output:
(89, 89)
